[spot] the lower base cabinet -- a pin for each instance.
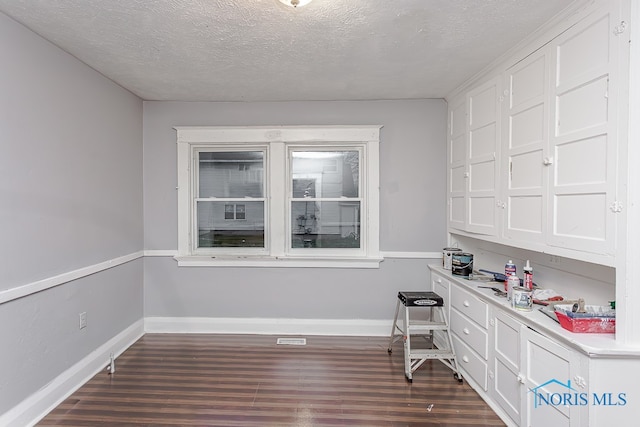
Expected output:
(528, 378)
(551, 381)
(506, 380)
(534, 380)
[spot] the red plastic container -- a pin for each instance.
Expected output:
(595, 325)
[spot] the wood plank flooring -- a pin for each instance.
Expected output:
(248, 380)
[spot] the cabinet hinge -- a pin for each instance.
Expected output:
(620, 28)
(616, 207)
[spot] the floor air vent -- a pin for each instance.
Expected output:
(291, 341)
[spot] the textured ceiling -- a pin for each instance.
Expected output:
(261, 50)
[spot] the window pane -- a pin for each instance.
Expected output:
(240, 212)
(325, 174)
(231, 174)
(325, 224)
(229, 211)
(218, 229)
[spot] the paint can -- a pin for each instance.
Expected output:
(447, 253)
(462, 264)
(522, 299)
(512, 282)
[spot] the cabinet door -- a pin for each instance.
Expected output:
(583, 138)
(482, 170)
(552, 399)
(457, 167)
(505, 376)
(525, 147)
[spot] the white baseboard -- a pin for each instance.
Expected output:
(261, 326)
(35, 407)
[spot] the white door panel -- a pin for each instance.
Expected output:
(583, 144)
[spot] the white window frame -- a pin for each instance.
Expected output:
(279, 143)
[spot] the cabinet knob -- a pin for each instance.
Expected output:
(465, 359)
(547, 161)
(466, 331)
(438, 280)
(466, 304)
(520, 378)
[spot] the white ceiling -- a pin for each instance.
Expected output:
(261, 50)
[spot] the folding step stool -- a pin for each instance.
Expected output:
(414, 358)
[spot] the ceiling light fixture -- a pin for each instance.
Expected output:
(295, 3)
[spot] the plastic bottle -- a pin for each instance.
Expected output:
(528, 276)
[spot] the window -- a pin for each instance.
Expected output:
(285, 196)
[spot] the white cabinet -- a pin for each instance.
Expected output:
(468, 325)
(474, 137)
(483, 146)
(525, 149)
(547, 372)
(583, 141)
(440, 286)
(532, 372)
(457, 165)
(540, 140)
(535, 380)
(505, 377)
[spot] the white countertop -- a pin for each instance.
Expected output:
(593, 345)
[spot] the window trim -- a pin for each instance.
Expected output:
(280, 140)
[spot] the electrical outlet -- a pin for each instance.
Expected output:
(83, 319)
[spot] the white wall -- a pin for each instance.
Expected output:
(71, 197)
(412, 217)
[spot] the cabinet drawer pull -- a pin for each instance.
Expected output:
(466, 331)
(466, 303)
(465, 359)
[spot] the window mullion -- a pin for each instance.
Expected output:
(278, 215)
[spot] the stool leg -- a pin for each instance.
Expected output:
(393, 327)
(407, 346)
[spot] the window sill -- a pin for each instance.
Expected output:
(262, 261)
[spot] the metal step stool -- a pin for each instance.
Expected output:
(437, 321)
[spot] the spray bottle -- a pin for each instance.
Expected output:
(509, 269)
(528, 276)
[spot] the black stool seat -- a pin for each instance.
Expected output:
(420, 299)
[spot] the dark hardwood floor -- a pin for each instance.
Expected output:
(248, 380)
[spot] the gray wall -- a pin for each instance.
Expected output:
(412, 217)
(71, 197)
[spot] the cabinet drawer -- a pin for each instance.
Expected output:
(469, 305)
(470, 333)
(470, 362)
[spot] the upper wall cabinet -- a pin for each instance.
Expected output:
(457, 165)
(534, 165)
(583, 142)
(474, 137)
(525, 148)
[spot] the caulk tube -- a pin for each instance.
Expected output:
(528, 276)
